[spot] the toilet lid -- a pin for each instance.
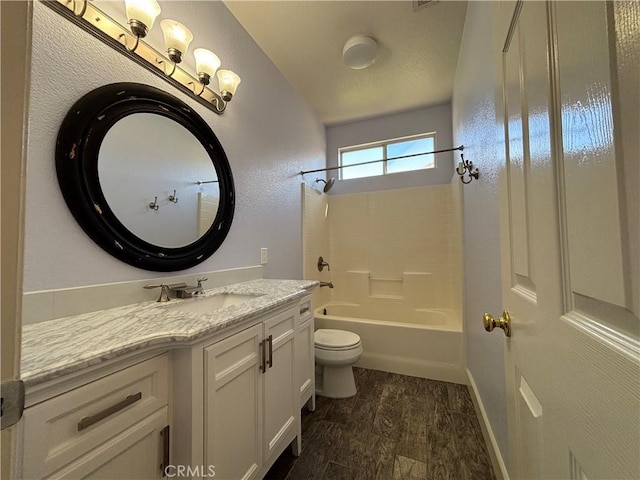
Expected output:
(327, 338)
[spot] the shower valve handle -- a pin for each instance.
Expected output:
(322, 264)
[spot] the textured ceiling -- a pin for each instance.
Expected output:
(417, 52)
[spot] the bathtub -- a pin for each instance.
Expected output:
(420, 342)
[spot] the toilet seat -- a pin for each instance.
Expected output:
(336, 340)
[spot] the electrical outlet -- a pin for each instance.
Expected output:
(264, 256)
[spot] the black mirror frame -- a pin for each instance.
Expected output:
(79, 139)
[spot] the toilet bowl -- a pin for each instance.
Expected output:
(336, 351)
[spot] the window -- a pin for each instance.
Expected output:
(388, 151)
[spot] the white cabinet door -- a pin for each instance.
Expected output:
(305, 354)
(281, 392)
(233, 405)
(569, 228)
(252, 398)
(305, 374)
(135, 454)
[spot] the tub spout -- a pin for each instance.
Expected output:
(326, 284)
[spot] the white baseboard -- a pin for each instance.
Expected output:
(499, 467)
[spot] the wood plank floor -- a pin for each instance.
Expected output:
(395, 428)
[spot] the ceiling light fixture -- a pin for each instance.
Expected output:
(359, 52)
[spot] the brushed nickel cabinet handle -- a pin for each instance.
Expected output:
(270, 340)
(86, 422)
(304, 309)
(263, 351)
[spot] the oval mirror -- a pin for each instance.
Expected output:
(145, 177)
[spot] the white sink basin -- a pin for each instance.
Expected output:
(210, 304)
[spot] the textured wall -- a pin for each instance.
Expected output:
(433, 119)
(475, 126)
(268, 132)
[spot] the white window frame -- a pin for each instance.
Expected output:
(384, 144)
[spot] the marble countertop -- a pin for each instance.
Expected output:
(61, 346)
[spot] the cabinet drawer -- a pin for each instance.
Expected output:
(62, 429)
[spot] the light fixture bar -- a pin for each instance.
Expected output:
(103, 27)
(303, 172)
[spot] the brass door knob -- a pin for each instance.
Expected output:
(504, 322)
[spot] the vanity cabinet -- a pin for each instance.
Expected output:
(113, 427)
(232, 397)
(251, 410)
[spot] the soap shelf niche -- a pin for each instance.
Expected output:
(380, 287)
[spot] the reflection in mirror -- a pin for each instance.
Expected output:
(147, 155)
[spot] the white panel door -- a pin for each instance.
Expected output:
(570, 239)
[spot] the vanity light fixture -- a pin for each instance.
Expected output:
(141, 14)
(128, 40)
(82, 9)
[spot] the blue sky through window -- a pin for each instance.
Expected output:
(385, 150)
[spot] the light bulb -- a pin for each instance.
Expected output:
(228, 83)
(141, 15)
(207, 63)
(177, 38)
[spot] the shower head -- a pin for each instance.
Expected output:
(327, 184)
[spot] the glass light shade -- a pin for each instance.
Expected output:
(144, 11)
(206, 61)
(228, 81)
(176, 36)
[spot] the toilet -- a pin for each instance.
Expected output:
(336, 351)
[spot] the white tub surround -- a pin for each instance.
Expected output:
(395, 249)
(62, 346)
(396, 265)
(315, 239)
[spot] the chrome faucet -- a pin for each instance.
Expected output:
(182, 290)
(326, 284)
(164, 291)
(186, 291)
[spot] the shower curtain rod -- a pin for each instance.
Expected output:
(303, 172)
